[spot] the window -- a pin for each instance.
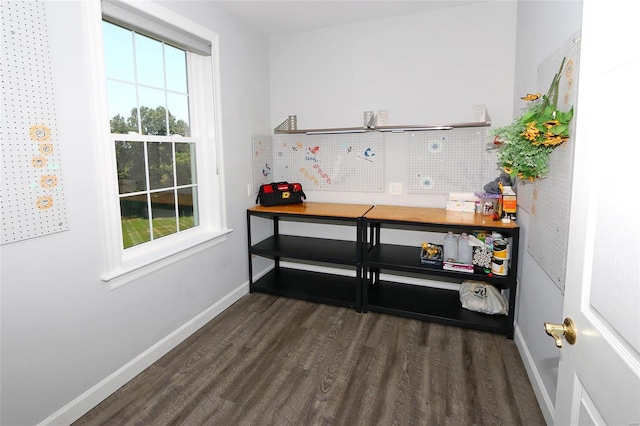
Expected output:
(163, 181)
(148, 97)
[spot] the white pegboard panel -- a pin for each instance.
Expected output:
(333, 162)
(262, 160)
(551, 206)
(31, 197)
(446, 161)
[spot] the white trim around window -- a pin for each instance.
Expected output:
(124, 266)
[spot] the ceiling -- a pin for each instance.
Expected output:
(285, 17)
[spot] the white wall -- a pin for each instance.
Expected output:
(542, 27)
(425, 68)
(64, 332)
(432, 67)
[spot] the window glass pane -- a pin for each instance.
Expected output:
(147, 87)
(160, 164)
(135, 220)
(149, 63)
(163, 211)
(187, 210)
(185, 163)
(130, 162)
(178, 114)
(122, 107)
(118, 52)
(153, 115)
(176, 69)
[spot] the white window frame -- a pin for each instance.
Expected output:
(123, 266)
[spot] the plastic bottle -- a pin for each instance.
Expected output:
(465, 252)
(450, 250)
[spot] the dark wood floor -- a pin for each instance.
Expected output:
(277, 361)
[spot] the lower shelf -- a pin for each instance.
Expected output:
(431, 304)
(317, 287)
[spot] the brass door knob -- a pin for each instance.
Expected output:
(566, 329)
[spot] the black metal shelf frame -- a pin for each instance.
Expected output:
(333, 289)
(366, 257)
(427, 303)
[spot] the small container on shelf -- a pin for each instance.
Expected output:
(450, 247)
(488, 203)
(465, 254)
(431, 255)
(482, 257)
(499, 266)
(501, 249)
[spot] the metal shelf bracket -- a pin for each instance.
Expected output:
(290, 126)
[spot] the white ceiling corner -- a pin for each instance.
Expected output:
(286, 17)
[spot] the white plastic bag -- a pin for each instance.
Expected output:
(482, 297)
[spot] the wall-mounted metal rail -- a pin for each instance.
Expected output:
(289, 126)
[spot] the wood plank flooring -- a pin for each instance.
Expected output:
(277, 361)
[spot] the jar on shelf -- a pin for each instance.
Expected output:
(465, 252)
(450, 249)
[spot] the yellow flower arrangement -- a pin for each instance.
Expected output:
(526, 143)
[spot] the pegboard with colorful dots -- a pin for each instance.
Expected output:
(331, 162)
(31, 198)
(444, 161)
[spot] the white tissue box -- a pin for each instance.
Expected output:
(462, 202)
(461, 206)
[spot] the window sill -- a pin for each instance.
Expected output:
(121, 276)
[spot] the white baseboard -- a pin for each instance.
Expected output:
(546, 405)
(92, 397)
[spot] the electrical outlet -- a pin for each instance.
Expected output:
(249, 190)
(395, 188)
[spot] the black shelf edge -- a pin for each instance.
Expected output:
(407, 259)
(311, 286)
(431, 304)
(307, 217)
(308, 248)
(440, 227)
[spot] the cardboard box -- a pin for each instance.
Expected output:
(509, 202)
(458, 267)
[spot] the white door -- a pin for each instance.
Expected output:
(599, 376)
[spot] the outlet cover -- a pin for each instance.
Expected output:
(395, 188)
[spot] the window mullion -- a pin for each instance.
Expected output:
(166, 97)
(148, 189)
(137, 83)
(175, 186)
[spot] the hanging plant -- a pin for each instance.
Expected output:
(526, 143)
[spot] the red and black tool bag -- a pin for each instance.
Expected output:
(280, 193)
